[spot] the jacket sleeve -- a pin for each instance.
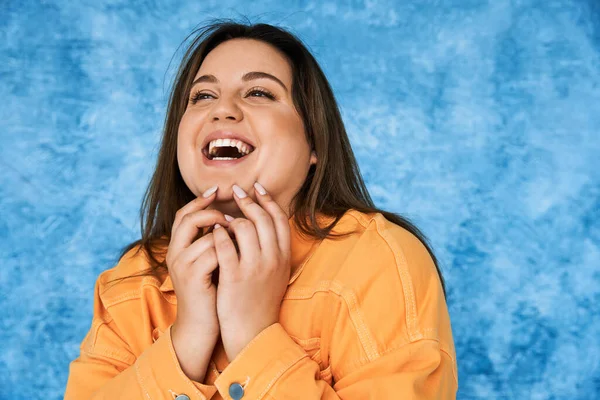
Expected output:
(273, 366)
(107, 368)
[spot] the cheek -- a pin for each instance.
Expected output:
(284, 162)
(187, 126)
(188, 137)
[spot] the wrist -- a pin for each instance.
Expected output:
(193, 352)
(235, 340)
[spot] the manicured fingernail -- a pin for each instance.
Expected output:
(210, 191)
(239, 191)
(217, 226)
(260, 188)
(229, 217)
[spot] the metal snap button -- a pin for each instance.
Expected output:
(236, 391)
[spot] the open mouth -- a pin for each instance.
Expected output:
(227, 152)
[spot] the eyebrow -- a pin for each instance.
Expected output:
(247, 77)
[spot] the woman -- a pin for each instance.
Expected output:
(264, 269)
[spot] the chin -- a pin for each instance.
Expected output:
(222, 196)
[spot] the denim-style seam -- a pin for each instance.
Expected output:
(165, 296)
(362, 330)
(87, 338)
(359, 218)
(349, 368)
(135, 294)
(93, 334)
(309, 345)
(112, 354)
(423, 334)
(405, 279)
(349, 298)
(131, 295)
(280, 373)
(313, 342)
(139, 376)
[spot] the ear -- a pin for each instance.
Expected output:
(313, 158)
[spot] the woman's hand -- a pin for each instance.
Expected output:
(191, 263)
(251, 286)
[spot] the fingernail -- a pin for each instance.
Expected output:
(217, 226)
(229, 217)
(239, 191)
(210, 191)
(260, 188)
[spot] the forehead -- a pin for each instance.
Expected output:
(235, 57)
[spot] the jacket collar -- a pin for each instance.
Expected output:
(301, 248)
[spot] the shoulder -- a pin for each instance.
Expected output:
(392, 276)
(388, 249)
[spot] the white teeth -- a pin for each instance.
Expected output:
(241, 146)
(224, 158)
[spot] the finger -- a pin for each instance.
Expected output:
(265, 228)
(226, 254)
(205, 265)
(189, 226)
(194, 261)
(279, 217)
(244, 232)
(191, 253)
(199, 203)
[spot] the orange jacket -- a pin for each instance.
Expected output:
(362, 318)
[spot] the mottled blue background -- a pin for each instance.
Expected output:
(476, 119)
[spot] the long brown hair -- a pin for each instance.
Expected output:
(332, 187)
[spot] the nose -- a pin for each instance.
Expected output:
(226, 109)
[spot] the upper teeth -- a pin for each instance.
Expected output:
(242, 147)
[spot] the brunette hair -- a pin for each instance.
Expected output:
(332, 187)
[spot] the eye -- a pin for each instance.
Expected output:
(262, 92)
(197, 96)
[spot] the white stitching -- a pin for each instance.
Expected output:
(360, 320)
(349, 298)
(140, 379)
(278, 374)
(246, 382)
(405, 279)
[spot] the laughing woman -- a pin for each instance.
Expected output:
(264, 270)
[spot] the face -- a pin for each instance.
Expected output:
(260, 109)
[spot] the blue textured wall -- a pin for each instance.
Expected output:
(478, 120)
